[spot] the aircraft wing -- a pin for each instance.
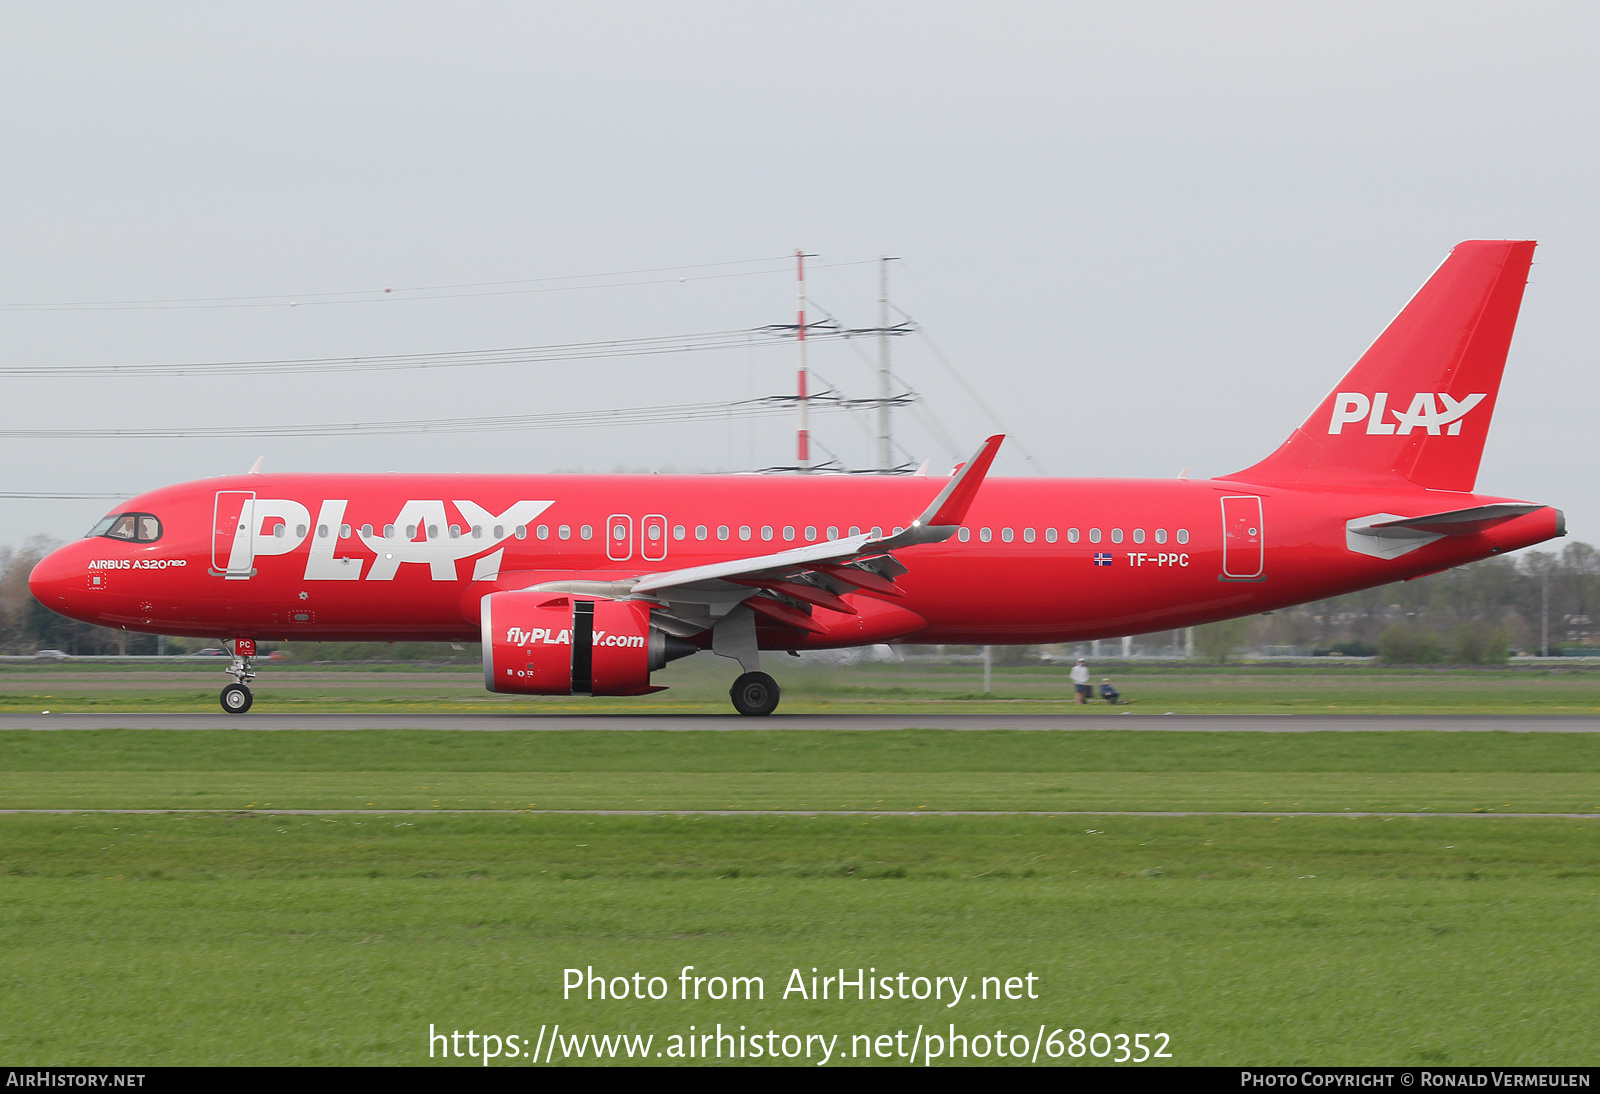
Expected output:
(937, 523)
(785, 586)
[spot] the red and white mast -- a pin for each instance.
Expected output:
(803, 438)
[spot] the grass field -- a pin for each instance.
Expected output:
(700, 684)
(243, 936)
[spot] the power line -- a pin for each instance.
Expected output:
(972, 394)
(647, 415)
(511, 355)
(416, 292)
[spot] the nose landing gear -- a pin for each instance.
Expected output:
(755, 693)
(236, 698)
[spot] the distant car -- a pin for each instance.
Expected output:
(52, 655)
(278, 655)
(212, 652)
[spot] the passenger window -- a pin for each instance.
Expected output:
(964, 535)
(499, 531)
(1161, 535)
(411, 531)
(1116, 535)
(1183, 535)
(788, 532)
(543, 531)
(1050, 535)
(520, 531)
(722, 531)
(744, 531)
(811, 533)
(586, 531)
(477, 531)
(322, 531)
(565, 531)
(833, 533)
(854, 531)
(344, 531)
(388, 531)
(366, 531)
(455, 531)
(985, 535)
(877, 533)
(1005, 535)
(618, 533)
(1094, 535)
(766, 531)
(678, 531)
(699, 531)
(1138, 535)
(1027, 535)
(299, 531)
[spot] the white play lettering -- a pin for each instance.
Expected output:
(441, 552)
(278, 526)
(1423, 412)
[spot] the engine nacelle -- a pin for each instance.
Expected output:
(542, 643)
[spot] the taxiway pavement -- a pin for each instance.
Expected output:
(488, 722)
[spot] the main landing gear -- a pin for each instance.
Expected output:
(755, 693)
(236, 697)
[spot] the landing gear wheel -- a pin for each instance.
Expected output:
(236, 698)
(755, 693)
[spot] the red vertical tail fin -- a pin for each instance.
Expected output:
(1418, 403)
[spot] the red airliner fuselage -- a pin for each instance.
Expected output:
(587, 583)
(1038, 560)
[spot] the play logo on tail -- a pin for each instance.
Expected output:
(1429, 410)
(1441, 359)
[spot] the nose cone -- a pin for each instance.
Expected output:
(60, 581)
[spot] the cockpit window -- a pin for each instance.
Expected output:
(130, 527)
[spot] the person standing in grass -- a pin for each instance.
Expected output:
(1080, 681)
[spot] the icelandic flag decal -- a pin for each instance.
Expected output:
(1102, 558)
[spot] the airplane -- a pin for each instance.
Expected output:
(587, 584)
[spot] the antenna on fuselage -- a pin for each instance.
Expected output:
(255, 468)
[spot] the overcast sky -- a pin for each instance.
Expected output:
(1150, 237)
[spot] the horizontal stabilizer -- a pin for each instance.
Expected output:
(1385, 535)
